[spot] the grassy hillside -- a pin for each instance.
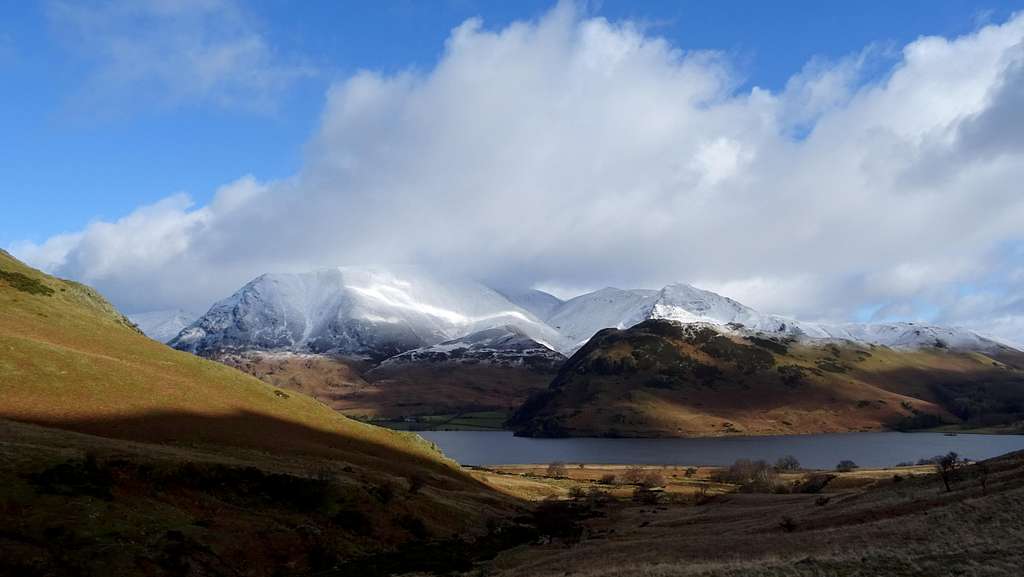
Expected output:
(69, 359)
(178, 465)
(664, 379)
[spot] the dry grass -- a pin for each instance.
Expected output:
(910, 527)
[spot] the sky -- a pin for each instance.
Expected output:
(855, 161)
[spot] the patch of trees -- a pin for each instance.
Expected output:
(752, 477)
(846, 465)
(557, 470)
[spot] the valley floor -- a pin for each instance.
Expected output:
(867, 522)
(73, 504)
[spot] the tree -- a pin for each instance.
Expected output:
(652, 479)
(787, 463)
(846, 465)
(983, 471)
(948, 468)
(558, 470)
(634, 475)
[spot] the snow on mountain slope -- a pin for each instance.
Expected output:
(539, 303)
(904, 335)
(378, 313)
(503, 346)
(163, 325)
(687, 304)
(579, 318)
(372, 312)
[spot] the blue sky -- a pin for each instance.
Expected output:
(68, 160)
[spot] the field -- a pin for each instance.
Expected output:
(469, 421)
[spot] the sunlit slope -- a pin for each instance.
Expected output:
(660, 378)
(69, 359)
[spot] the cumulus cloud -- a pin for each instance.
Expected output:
(172, 52)
(576, 152)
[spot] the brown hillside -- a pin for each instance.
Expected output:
(660, 378)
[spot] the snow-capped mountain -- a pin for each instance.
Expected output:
(371, 312)
(502, 346)
(378, 313)
(578, 319)
(163, 325)
(540, 303)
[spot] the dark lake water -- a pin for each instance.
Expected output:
(813, 451)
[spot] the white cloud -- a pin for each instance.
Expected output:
(172, 52)
(576, 152)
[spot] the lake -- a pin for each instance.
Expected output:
(813, 451)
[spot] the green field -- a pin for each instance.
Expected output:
(470, 421)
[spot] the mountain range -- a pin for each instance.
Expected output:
(376, 313)
(387, 343)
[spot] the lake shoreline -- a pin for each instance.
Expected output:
(818, 451)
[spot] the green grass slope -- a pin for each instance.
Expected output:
(660, 379)
(69, 359)
(120, 455)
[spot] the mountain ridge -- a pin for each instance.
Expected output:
(377, 313)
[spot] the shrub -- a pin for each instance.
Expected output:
(25, 284)
(416, 483)
(787, 463)
(788, 524)
(751, 476)
(353, 521)
(558, 519)
(596, 496)
(652, 479)
(701, 496)
(982, 471)
(383, 492)
(846, 465)
(608, 479)
(576, 493)
(633, 475)
(414, 525)
(646, 496)
(73, 478)
(691, 472)
(557, 470)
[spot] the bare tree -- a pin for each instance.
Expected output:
(948, 468)
(787, 463)
(982, 471)
(557, 470)
(634, 475)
